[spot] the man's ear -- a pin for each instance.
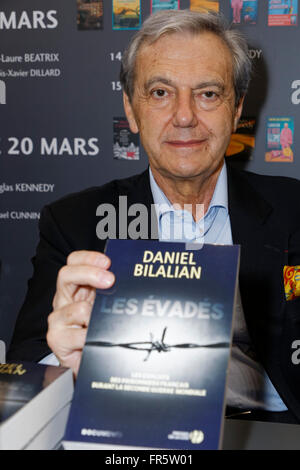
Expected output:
(130, 114)
(238, 113)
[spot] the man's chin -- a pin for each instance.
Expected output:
(184, 173)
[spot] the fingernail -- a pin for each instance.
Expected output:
(105, 262)
(108, 278)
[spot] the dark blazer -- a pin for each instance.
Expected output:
(265, 221)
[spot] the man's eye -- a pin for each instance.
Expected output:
(208, 100)
(160, 93)
(210, 94)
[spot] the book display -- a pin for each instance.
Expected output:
(34, 405)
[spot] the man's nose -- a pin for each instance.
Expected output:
(184, 110)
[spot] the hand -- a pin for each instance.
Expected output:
(72, 304)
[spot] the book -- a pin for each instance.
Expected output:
(125, 142)
(153, 369)
(51, 435)
(283, 13)
(280, 139)
(126, 14)
(204, 5)
(159, 5)
(2, 352)
(242, 141)
(89, 15)
(244, 12)
(32, 396)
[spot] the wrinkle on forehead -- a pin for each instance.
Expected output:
(171, 54)
(157, 48)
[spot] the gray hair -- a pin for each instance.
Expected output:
(185, 21)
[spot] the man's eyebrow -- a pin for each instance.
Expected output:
(159, 79)
(198, 86)
(210, 83)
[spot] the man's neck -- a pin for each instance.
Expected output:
(188, 191)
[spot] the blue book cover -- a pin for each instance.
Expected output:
(283, 13)
(153, 370)
(158, 5)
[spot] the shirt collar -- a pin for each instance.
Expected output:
(219, 198)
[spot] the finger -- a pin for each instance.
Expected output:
(93, 258)
(72, 361)
(73, 340)
(70, 278)
(66, 334)
(67, 345)
(87, 294)
(78, 314)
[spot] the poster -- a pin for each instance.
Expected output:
(89, 14)
(158, 5)
(204, 5)
(126, 14)
(242, 142)
(243, 12)
(126, 143)
(280, 139)
(283, 13)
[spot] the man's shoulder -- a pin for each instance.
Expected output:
(263, 195)
(270, 187)
(106, 193)
(74, 217)
(270, 180)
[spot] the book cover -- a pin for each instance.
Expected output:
(30, 396)
(89, 14)
(154, 365)
(280, 138)
(126, 14)
(2, 351)
(283, 13)
(126, 143)
(158, 5)
(243, 11)
(242, 141)
(204, 5)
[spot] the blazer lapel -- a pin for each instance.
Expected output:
(248, 210)
(134, 209)
(141, 215)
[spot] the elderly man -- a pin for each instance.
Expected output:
(184, 76)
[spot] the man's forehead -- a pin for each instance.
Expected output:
(184, 51)
(207, 38)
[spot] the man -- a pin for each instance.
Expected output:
(185, 76)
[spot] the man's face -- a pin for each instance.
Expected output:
(183, 104)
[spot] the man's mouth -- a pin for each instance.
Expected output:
(186, 143)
